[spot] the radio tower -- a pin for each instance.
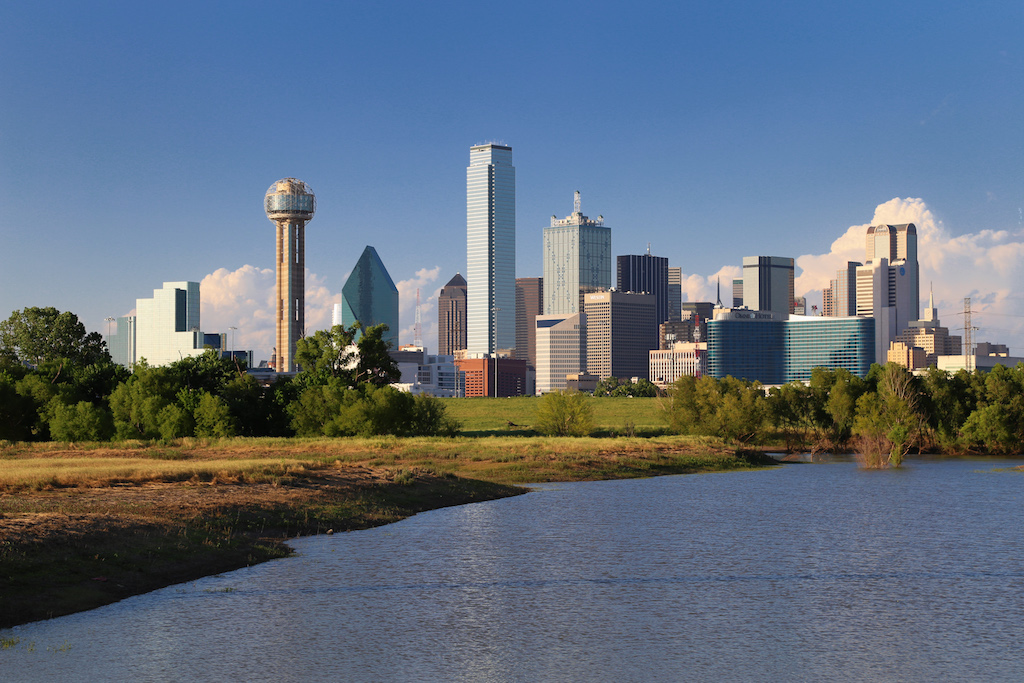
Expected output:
(417, 330)
(968, 334)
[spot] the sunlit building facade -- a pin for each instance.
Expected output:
(490, 249)
(768, 283)
(561, 350)
(164, 328)
(577, 260)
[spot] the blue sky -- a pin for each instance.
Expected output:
(137, 141)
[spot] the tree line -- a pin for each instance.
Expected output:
(58, 382)
(884, 416)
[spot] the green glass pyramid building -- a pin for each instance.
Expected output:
(370, 296)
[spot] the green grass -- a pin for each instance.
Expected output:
(490, 416)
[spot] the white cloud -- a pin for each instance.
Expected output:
(987, 266)
(244, 298)
(700, 288)
(428, 306)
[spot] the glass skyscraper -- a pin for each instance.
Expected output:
(370, 296)
(577, 260)
(645, 274)
(763, 346)
(490, 249)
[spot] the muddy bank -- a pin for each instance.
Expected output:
(73, 549)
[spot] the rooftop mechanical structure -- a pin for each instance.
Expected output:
(290, 204)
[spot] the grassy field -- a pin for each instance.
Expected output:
(506, 459)
(618, 416)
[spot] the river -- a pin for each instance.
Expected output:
(802, 572)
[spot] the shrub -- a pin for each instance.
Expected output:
(564, 413)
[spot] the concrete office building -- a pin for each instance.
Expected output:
(672, 332)
(675, 292)
(163, 330)
(492, 375)
(370, 296)
(700, 312)
(898, 244)
(490, 249)
(561, 350)
(529, 304)
(290, 204)
(887, 283)
(681, 360)
(451, 317)
(929, 336)
(577, 260)
(839, 300)
(621, 330)
(645, 274)
(737, 293)
(423, 373)
(775, 348)
(768, 283)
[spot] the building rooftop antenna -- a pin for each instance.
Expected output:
(576, 203)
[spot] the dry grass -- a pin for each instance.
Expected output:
(499, 459)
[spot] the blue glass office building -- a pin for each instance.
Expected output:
(757, 345)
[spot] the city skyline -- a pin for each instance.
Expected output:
(141, 107)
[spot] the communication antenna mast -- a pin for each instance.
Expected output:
(576, 202)
(417, 330)
(968, 342)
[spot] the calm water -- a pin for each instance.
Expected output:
(805, 572)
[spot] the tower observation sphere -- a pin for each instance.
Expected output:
(289, 204)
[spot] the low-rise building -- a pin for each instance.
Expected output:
(683, 359)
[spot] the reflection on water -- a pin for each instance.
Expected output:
(805, 572)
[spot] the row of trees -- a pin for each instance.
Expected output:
(58, 382)
(884, 416)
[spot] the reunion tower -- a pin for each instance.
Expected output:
(290, 203)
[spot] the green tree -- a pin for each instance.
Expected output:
(375, 364)
(18, 412)
(137, 403)
(729, 408)
(332, 409)
(326, 354)
(606, 386)
(83, 421)
(213, 417)
(35, 335)
(889, 420)
(564, 413)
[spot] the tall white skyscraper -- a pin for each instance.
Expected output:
(577, 260)
(888, 284)
(490, 249)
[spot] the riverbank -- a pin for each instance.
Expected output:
(85, 525)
